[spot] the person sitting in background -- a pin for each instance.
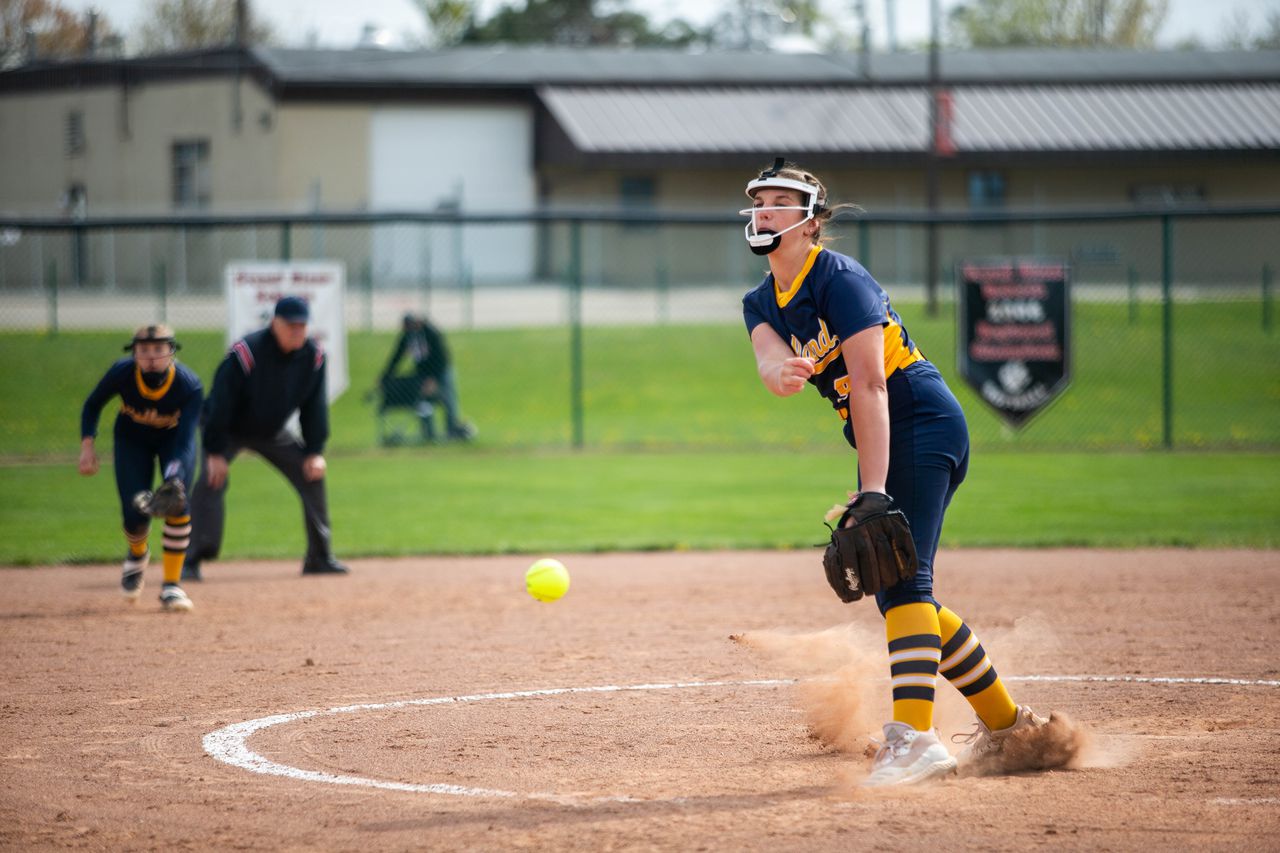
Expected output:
(433, 379)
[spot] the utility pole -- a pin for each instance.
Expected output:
(864, 39)
(931, 171)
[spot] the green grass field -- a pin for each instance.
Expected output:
(677, 387)
(684, 448)
(466, 501)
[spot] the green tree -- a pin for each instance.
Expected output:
(173, 25)
(58, 32)
(755, 25)
(447, 20)
(1057, 23)
(576, 22)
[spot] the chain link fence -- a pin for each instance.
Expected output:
(615, 329)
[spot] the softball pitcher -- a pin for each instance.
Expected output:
(819, 318)
(160, 403)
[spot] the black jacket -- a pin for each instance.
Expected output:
(256, 389)
(426, 346)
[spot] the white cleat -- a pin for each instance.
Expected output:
(985, 751)
(908, 756)
(131, 575)
(173, 599)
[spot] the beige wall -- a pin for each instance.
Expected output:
(1205, 252)
(293, 157)
(35, 169)
(323, 156)
(127, 164)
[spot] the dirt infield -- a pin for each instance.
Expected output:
(107, 709)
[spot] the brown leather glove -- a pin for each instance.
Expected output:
(874, 552)
(170, 499)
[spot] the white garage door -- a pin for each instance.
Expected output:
(477, 157)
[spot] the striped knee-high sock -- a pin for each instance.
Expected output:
(966, 665)
(177, 535)
(138, 556)
(912, 632)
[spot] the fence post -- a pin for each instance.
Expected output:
(1133, 294)
(664, 292)
(575, 329)
(468, 297)
(1266, 298)
(51, 284)
(366, 285)
(161, 287)
(425, 260)
(1166, 306)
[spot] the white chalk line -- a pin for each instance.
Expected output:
(230, 743)
(1142, 679)
(1245, 801)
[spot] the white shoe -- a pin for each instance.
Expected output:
(909, 756)
(172, 598)
(131, 575)
(985, 747)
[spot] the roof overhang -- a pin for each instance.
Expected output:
(893, 122)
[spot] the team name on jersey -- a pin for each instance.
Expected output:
(821, 349)
(150, 417)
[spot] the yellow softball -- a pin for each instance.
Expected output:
(547, 579)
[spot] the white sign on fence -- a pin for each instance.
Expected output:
(254, 287)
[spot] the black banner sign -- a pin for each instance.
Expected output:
(1014, 335)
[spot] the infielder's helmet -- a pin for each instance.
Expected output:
(157, 334)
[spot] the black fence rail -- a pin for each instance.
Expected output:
(1174, 309)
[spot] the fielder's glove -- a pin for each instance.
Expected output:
(169, 499)
(874, 553)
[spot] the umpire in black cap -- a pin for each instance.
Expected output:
(266, 377)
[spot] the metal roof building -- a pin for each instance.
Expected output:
(605, 102)
(507, 129)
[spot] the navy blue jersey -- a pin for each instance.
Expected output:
(164, 417)
(833, 298)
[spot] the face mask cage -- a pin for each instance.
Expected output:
(752, 231)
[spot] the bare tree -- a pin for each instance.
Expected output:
(173, 25)
(1057, 23)
(1269, 38)
(57, 32)
(1239, 33)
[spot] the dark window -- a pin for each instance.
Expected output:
(75, 204)
(75, 133)
(1166, 195)
(191, 183)
(986, 189)
(639, 193)
(75, 201)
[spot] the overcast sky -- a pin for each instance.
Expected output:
(338, 23)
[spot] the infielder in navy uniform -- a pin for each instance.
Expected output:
(266, 377)
(159, 409)
(819, 318)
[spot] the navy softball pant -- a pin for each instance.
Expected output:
(928, 460)
(136, 464)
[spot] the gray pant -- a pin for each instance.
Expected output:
(208, 505)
